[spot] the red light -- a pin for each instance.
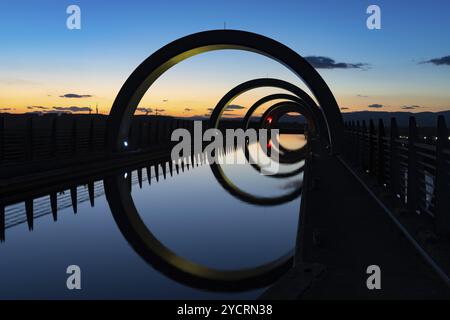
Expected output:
(269, 120)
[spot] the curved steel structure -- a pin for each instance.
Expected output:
(286, 156)
(311, 112)
(154, 66)
(302, 98)
(182, 270)
(275, 112)
(242, 195)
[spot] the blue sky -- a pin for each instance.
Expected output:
(42, 57)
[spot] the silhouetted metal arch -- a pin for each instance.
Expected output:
(303, 98)
(280, 107)
(233, 189)
(154, 66)
(176, 267)
(293, 156)
(316, 116)
(276, 111)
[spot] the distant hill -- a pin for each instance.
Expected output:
(423, 119)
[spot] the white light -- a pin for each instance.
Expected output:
(125, 143)
(125, 175)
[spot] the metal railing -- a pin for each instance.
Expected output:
(413, 168)
(50, 140)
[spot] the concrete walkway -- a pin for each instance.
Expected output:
(346, 230)
(343, 231)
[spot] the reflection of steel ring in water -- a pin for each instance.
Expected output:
(154, 66)
(234, 190)
(176, 267)
(316, 124)
(255, 166)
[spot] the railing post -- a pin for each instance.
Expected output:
(53, 137)
(161, 132)
(413, 188)
(354, 143)
(2, 222)
(359, 145)
(91, 135)
(156, 130)
(442, 196)
(104, 134)
(364, 146)
(351, 146)
(74, 136)
(394, 164)
(371, 159)
(130, 136)
(349, 137)
(140, 133)
(346, 137)
(29, 139)
(149, 132)
(29, 210)
(2, 138)
(380, 155)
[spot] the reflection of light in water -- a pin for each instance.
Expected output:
(247, 178)
(292, 141)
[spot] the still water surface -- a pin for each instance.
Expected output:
(189, 213)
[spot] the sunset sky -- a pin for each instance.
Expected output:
(46, 67)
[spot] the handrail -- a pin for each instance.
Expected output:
(424, 179)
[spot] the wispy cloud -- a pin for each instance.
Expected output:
(37, 108)
(362, 96)
(187, 109)
(320, 62)
(376, 106)
(410, 107)
(234, 107)
(75, 96)
(443, 61)
(145, 110)
(41, 112)
(73, 109)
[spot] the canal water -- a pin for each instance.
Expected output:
(190, 213)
